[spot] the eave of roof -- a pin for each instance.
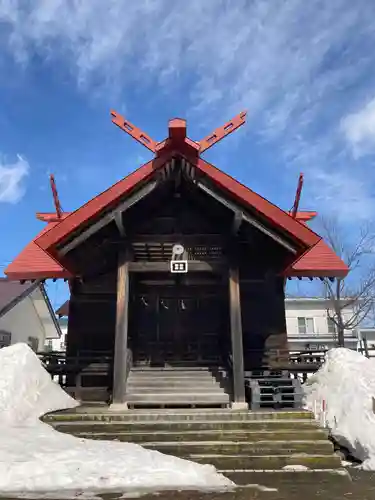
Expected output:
(63, 310)
(253, 200)
(318, 261)
(33, 263)
(38, 259)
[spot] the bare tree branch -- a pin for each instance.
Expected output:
(357, 295)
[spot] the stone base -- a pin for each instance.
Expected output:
(239, 405)
(118, 407)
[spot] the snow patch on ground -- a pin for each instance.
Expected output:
(36, 458)
(295, 468)
(346, 382)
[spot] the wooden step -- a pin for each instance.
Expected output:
(173, 373)
(261, 462)
(175, 382)
(148, 368)
(180, 427)
(109, 432)
(286, 478)
(179, 398)
(188, 417)
(172, 389)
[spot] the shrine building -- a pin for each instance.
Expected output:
(177, 267)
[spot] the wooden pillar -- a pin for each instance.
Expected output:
(239, 401)
(121, 337)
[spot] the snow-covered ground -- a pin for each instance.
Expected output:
(36, 458)
(346, 382)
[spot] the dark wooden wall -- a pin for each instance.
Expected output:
(183, 320)
(92, 315)
(263, 320)
(262, 297)
(179, 214)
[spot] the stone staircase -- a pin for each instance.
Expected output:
(251, 442)
(174, 387)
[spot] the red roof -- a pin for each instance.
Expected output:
(34, 263)
(39, 258)
(320, 260)
(92, 209)
(63, 310)
(305, 216)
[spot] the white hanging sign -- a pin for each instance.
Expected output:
(179, 266)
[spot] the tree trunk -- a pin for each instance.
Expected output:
(340, 336)
(340, 323)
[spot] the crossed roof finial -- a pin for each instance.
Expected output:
(177, 134)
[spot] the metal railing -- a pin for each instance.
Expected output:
(315, 335)
(284, 358)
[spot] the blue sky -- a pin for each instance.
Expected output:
(303, 70)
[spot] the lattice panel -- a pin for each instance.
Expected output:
(152, 251)
(205, 252)
(163, 252)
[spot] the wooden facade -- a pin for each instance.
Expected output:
(226, 313)
(230, 304)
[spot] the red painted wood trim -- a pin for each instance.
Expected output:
(36, 275)
(274, 214)
(93, 207)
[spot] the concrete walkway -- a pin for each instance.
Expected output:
(276, 486)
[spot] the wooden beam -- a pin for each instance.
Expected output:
(133, 131)
(221, 132)
(237, 221)
(121, 336)
(247, 218)
(239, 400)
(109, 217)
(161, 267)
(198, 283)
(119, 224)
(184, 239)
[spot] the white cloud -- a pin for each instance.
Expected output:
(297, 66)
(359, 129)
(11, 180)
(341, 194)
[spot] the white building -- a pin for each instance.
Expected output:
(59, 344)
(26, 315)
(309, 326)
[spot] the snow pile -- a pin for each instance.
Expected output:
(346, 382)
(26, 388)
(36, 458)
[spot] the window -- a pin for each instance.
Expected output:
(331, 326)
(5, 338)
(305, 325)
(33, 342)
(49, 345)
